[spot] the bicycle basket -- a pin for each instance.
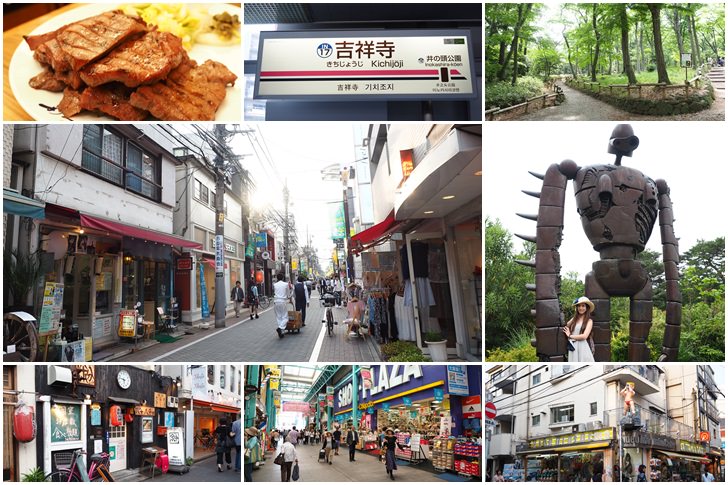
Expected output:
(63, 459)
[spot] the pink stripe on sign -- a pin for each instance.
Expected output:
(410, 72)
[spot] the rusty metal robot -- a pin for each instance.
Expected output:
(618, 207)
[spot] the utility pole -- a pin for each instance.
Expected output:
(220, 296)
(347, 222)
(286, 241)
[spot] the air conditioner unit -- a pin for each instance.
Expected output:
(581, 427)
(172, 402)
(58, 376)
(596, 424)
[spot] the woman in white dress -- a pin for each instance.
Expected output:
(578, 331)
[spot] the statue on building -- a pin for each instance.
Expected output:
(628, 394)
(618, 206)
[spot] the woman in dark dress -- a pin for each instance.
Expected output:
(221, 448)
(388, 445)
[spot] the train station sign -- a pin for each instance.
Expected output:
(385, 64)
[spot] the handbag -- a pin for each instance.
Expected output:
(280, 459)
(230, 442)
(570, 345)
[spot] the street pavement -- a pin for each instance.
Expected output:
(201, 471)
(257, 341)
(366, 468)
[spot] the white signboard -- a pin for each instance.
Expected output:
(489, 422)
(445, 425)
(457, 380)
(199, 383)
(383, 64)
(219, 254)
(175, 446)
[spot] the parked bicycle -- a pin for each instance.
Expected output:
(329, 301)
(264, 301)
(76, 470)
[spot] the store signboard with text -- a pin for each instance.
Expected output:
(360, 65)
(457, 380)
(605, 435)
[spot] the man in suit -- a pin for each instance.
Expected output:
(352, 438)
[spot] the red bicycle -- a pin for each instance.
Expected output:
(76, 471)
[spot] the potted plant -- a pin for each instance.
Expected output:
(34, 475)
(437, 344)
(21, 273)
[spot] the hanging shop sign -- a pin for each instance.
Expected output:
(127, 323)
(65, 423)
(330, 400)
(407, 401)
(261, 240)
(338, 221)
(277, 398)
(184, 264)
(95, 414)
(439, 394)
(385, 407)
(250, 247)
(365, 372)
(471, 407)
(84, 375)
(357, 65)
(605, 435)
(175, 446)
(160, 400)
(295, 407)
(322, 400)
(140, 410)
(457, 380)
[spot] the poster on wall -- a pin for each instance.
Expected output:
(175, 446)
(95, 415)
(147, 429)
(50, 314)
(445, 425)
(127, 323)
(169, 419)
(457, 380)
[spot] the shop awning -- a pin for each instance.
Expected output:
(375, 235)
(20, 205)
(221, 408)
(100, 224)
(123, 400)
(681, 456)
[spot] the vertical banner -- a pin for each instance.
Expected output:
(203, 293)
(261, 240)
(219, 255)
(366, 377)
(338, 220)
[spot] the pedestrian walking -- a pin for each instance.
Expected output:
(252, 452)
(352, 439)
(222, 447)
(237, 295)
(499, 477)
(274, 437)
(282, 292)
(389, 445)
(317, 435)
(707, 476)
(253, 298)
(235, 433)
(641, 475)
(328, 447)
(293, 436)
(300, 291)
(338, 288)
(337, 438)
(288, 450)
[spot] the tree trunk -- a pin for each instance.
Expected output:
(597, 37)
(662, 76)
(568, 54)
(694, 44)
(677, 27)
(626, 61)
(502, 53)
(642, 48)
(514, 43)
(514, 74)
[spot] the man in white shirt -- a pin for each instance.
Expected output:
(282, 292)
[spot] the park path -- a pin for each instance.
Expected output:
(581, 107)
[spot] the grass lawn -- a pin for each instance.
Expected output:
(676, 75)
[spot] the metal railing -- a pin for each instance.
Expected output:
(648, 372)
(652, 422)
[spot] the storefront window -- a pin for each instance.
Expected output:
(593, 409)
(579, 467)
(84, 271)
(223, 369)
(211, 375)
(130, 282)
(562, 414)
(468, 237)
(105, 285)
(535, 420)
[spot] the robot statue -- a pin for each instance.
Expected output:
(618, 208)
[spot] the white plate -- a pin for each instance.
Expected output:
(23, 67)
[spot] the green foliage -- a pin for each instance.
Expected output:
(571, 289)
(401, 351)
(21, 273)
(34, 475)
(503, 95)
(676, 73)
(526, 353)
(703, 332)
(433, 337)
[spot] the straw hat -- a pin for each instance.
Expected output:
(585, 301)
(252, 431)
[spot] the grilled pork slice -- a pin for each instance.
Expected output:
(87, 40)
(112, 99)
(190, 93)
(145, 60)
(70, 105)
(48, 81)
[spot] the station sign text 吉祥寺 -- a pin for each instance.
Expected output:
(386, 64)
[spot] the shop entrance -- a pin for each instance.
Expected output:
(431, 294)
(205, 425)
(77, 282)
(117, 448)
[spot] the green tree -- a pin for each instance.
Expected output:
(654, 9)
(507, 302)
(652, 261)
(545, 58)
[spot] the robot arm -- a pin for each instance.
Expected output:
(671, 258)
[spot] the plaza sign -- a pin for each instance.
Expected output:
(356, 65)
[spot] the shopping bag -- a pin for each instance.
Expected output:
(296, 474)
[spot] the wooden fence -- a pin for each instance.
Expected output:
(531, 104)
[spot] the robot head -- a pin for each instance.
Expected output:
(622, 142)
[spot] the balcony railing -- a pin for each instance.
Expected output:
(648, 372)
(710, 410)
(653, 423)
